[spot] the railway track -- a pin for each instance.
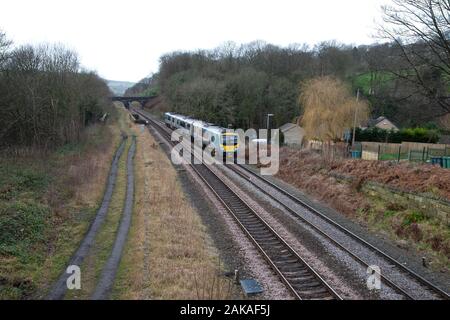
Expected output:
(299, 277)
(251, 176)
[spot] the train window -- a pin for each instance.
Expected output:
(213, 138)
(230, 140)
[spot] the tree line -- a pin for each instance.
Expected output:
(404, 77)
(46, 99)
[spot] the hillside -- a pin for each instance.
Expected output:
(119, 87)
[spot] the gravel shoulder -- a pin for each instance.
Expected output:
(407, 256)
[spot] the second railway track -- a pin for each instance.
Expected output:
(250, 176)
(259, 231)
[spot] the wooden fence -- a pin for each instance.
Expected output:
(412, 151)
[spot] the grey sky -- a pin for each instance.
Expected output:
(123, 40)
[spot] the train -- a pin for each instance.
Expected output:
(208, 134)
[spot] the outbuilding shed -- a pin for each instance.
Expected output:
(293, 134)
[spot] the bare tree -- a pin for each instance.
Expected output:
(44, 98)
(5, 44)
(421, 30)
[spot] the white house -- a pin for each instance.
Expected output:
(293, 134)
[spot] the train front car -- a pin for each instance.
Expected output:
(229, 144)
(168, 119)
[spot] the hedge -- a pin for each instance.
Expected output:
(391, 136)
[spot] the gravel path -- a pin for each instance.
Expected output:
(108, 275)
(60, 287)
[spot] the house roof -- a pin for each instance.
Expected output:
(287, 127)
(374, 122)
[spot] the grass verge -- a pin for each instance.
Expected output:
(47, 201)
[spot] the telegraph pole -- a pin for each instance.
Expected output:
(354, 121)
(268, 128)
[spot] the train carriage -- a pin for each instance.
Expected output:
(207, 134)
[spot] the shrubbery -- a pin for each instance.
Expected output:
(422, 135)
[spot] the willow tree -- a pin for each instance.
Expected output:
(329, 109)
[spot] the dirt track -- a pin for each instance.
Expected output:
(59, 289)
(108, 275)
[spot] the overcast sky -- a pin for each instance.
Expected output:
(123, 39)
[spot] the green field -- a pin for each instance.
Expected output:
(364, 80)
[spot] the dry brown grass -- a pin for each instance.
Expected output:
(86, 174)
(309, 172)
(169, 254)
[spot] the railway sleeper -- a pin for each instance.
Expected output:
(258, 233)
(256, 230)
(265, 236)
(259, 230)
(275, 250)
(291, 268)
(253, 224)
(268, 247)
(267, 242)
(302, 280)
(286, 258)
(245, 217)
(293, 275)
(284, 261)
(313, 294)
(308, 285)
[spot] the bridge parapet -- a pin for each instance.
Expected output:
(128, 100)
